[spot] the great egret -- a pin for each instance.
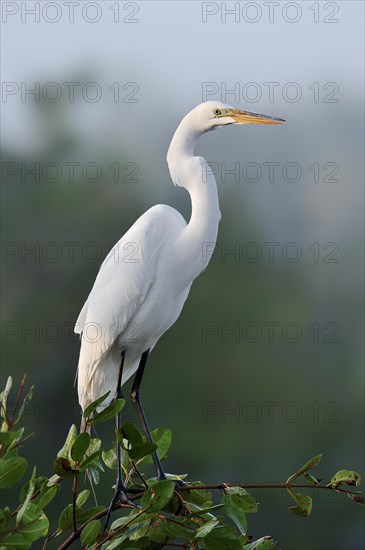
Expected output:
(144, 281)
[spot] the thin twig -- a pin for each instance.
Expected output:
(117, 531)
(221, 486)
(74, 497)
(167, 518)
(24, 440)
(34, 496)
(136, 469)
(76, 535)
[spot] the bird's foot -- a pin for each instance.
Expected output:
(179, 484)
(179, 506)
(120, 496)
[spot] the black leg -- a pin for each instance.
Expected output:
(120, 489)
(119, 395)
(136, 400)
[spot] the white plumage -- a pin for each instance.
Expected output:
(144, 281)
(131, 303)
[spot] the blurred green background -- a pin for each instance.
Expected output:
(245, 407)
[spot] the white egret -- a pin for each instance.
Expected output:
(144, 281)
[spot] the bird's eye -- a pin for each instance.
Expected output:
(217, 112)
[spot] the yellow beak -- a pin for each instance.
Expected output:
(245, 117)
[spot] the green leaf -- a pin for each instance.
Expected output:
(11, 470)
(139, 529)
(90, 408)
(11, 452)
(157, 530)
(36, 529)
(173, 477)
(158, 495)
(311, 479)
(80, 446)
(90, 532)
(131, 433)
(47, 497)
(31, 514)
(242, 499)
(235, 512)
(202, 512)
(19, 433)
(162, 437)
(89, 460)
(16, 542)
(222, 538)
(41, 483)
(265, 543)
(26, 400)
(53, 480)
(5, 516)
(177, 530)
(27, 498)
(303, 504)
(138, 526)
(63, 468)
(141, 449)
(4, 397)
(110, 458)
(84, 515)
(202, 498)
(38, 483)
(95, 474)
(10, 440)
(347, 477)
(121, 544)
(70, 439)
(206, 528)
(82, 497)
(95, 444)
(312, 463)
(6, 438)
(109, 412)
(66, 518)
(120, 522)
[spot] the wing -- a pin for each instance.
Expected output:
(120, 288)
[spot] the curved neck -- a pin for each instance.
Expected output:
(181, 150)
(194, 174)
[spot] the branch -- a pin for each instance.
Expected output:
(76, 534)
(221, 486)
(74, 497)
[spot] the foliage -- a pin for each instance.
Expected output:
(158, 512)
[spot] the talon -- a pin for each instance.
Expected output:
(178, 483)
(182, 509)
(119, 496)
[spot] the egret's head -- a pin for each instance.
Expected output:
(205, 117)
(214, 114)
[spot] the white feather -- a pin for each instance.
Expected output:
(145, 279)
